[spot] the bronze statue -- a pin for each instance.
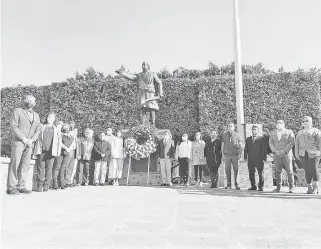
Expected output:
(147, 100)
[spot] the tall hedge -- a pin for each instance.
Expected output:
(287, 96)
(203, 103)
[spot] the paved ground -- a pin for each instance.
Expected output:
(153, 217)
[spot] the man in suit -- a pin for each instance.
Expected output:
(25, 124)
(165, 152)
(281, 142)
(254, 153)
(213, 155)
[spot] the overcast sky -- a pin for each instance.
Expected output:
(46, 41)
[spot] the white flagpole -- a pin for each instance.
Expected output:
(238, 71)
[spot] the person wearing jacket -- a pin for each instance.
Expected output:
(47, 148)
(101, 154)
(62, 161)
(198, 159)
(183, 155)
(85, 146)
(117, 156)
(308, 149)
(254, 154)
(25, 124)
(281, 142)
(165, 152)
(213, 154)
(231, 147)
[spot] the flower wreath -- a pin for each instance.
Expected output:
(140, 141)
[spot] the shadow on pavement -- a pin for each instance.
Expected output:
(246, 193)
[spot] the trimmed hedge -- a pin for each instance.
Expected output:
(287, 96)
(203, 103)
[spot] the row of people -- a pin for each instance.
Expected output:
(65, 158)
(281, 142)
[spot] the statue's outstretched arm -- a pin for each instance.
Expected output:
(127, 75)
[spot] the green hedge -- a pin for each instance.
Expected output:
(203, 103)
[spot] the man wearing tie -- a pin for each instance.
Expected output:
(281, 142)
(254, 154)
(25, 124)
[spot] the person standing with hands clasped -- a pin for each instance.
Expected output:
(183, 155)
(281, 142)
(213, 154)
(254, 155)
(308, 150)
(165, 152)
(101, 154)
(232, 148)
(25, 124)
(198, 159)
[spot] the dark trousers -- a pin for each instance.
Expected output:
(83, 171)
(213, 167)
(45, 163)
(229, 161)
(19, 162)
(260, 169)
(183, 168)
(198, 169)
(311, 169)
(60, 168)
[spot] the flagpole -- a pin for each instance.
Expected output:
(238, 72)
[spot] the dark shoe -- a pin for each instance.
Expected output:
(45, 188)
(63, 186)
(12, 192)
(252, 188)
(228, 187)
(95, 184)
(102, 184)
(237, 188)
(212, 186)
(277, 190)
(24, 191)
(163, 185)
(260, 189)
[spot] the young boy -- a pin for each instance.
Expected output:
(101, 156)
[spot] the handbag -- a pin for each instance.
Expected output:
(37, 149)
(313, 153)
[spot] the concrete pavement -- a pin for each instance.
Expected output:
(154, 217)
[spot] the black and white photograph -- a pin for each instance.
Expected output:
(160, 124)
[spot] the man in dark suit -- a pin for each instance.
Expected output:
(255, 154)
(25, 124)
(213, 154)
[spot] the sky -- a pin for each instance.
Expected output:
(45, 41)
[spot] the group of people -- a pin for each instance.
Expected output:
(281, 142)
(63, 159)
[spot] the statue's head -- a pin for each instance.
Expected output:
(145, 66)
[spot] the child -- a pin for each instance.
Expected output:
(101, 156)
(183, 155)
(85, 147)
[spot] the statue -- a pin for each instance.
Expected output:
(147, 100)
